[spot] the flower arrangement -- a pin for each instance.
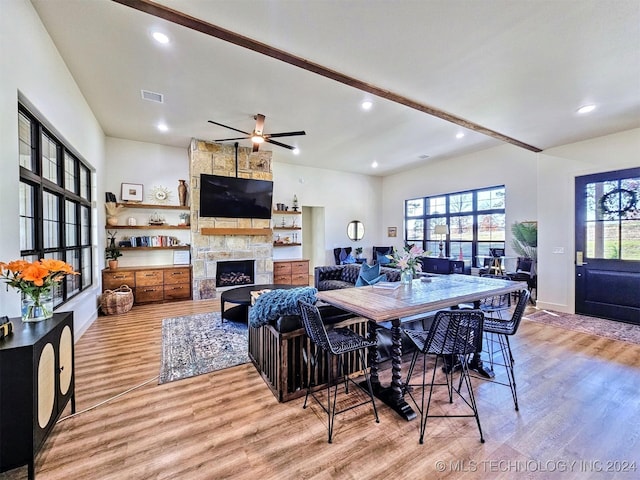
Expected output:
(408, 261)
(35, 280)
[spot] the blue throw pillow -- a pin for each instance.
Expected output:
(383, 259)
(343, 255)
(368, 273)
(362, 282)
(348, 259)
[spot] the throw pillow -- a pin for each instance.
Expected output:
(343, 255)
(361, 282)
(368, 273)
(382, 259)
(348, 259)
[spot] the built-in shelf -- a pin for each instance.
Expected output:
(285, 212)
(287, 244)
(287, 228)
(150, 227)
(153, 206)
(175, 247)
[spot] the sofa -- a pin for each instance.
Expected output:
(334, 277)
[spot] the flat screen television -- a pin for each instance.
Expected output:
(232, 197)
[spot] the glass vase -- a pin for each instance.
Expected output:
(36, 308)
(406, 276)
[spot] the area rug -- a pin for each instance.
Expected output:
(202, 343)
(625, 332)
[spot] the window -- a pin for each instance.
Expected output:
(476, 222)
(54, 204)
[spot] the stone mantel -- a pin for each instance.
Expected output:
(236, 231)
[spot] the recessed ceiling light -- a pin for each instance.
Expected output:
(459, 135)
(163, 127)
(586, 109)
(366, 105)
(374, 164)
(296, 151)
(160, 37)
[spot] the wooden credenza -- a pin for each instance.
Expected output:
(291, 272)
(37, 380)
(155, 284)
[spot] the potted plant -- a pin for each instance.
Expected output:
(112, 252)
(525, 239)
(358, 251)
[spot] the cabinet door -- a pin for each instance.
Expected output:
(149, 277)
(281, 268)
(174, 276)
(177, 291)
(65, 358)
(113, 280)
(45, 385)
(152, 293)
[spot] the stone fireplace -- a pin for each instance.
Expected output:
(234, 273)
(240, 239)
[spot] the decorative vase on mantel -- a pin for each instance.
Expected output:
(182, 193)
(37, 307)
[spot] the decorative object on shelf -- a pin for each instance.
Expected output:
(282, 223)
(358, 251)
(156, 219)
(295, 203)
(112, 209)
(35, 280)
(182, 192)
(184, 218)
(112, 252)
(110, 197)
(441, 230)
(131, 192)
(408, 261)
(293, 222)
(160, 194)
(132, 222)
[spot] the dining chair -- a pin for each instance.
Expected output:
(454, 333)
(335, 343)
(496, 305)
(497, 333)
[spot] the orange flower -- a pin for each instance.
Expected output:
(34, 278)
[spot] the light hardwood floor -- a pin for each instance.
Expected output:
(579, 414)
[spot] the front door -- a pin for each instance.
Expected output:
(608, 245)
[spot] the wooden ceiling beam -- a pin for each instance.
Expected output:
(193, 23)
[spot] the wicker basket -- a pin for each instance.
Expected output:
(117, 301)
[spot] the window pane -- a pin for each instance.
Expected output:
(491, 227)
(70, 173)
(27, 158)
(27, 219)
(70, 224)
(462, 202)
(85, 226)
(437, 205)
(49, 159)
(85, 183)
(415, 229)
(58, 289)
(85, 273)
(630, 240)
(73, 281)
(491, 199)
(415, 207)
(51, 220)
(461, 228)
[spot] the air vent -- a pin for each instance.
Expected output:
(423, 157)
(152, 96)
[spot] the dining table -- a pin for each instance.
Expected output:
(395, 302)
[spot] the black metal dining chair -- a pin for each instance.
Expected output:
(454, 333)
(497, 333)
(338, 343)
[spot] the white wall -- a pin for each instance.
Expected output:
(32, 66)
(149, 165)
(344, 196)
(558, 168)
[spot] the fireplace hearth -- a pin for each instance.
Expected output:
(234, 273)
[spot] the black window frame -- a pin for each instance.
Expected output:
(79, 255)
(430, 241)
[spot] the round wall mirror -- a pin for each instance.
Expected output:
(355, 230)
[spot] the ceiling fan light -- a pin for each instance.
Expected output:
(296, 151)
(257, 138)
(586, 109)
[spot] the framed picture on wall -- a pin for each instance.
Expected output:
(131, 192)
(392, 231)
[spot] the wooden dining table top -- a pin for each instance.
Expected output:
(441, 291)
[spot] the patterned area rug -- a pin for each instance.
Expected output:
(625, 332)
(197, 344)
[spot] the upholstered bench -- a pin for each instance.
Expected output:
(280, 349)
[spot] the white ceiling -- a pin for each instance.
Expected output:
(521, 68)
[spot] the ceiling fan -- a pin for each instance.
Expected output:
(258, 136)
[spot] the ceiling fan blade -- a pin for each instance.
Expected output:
(229, 139)
(259, 124)
(279, 144)
(285, 134)
(227, 126)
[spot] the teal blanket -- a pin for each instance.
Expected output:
(272, 305)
